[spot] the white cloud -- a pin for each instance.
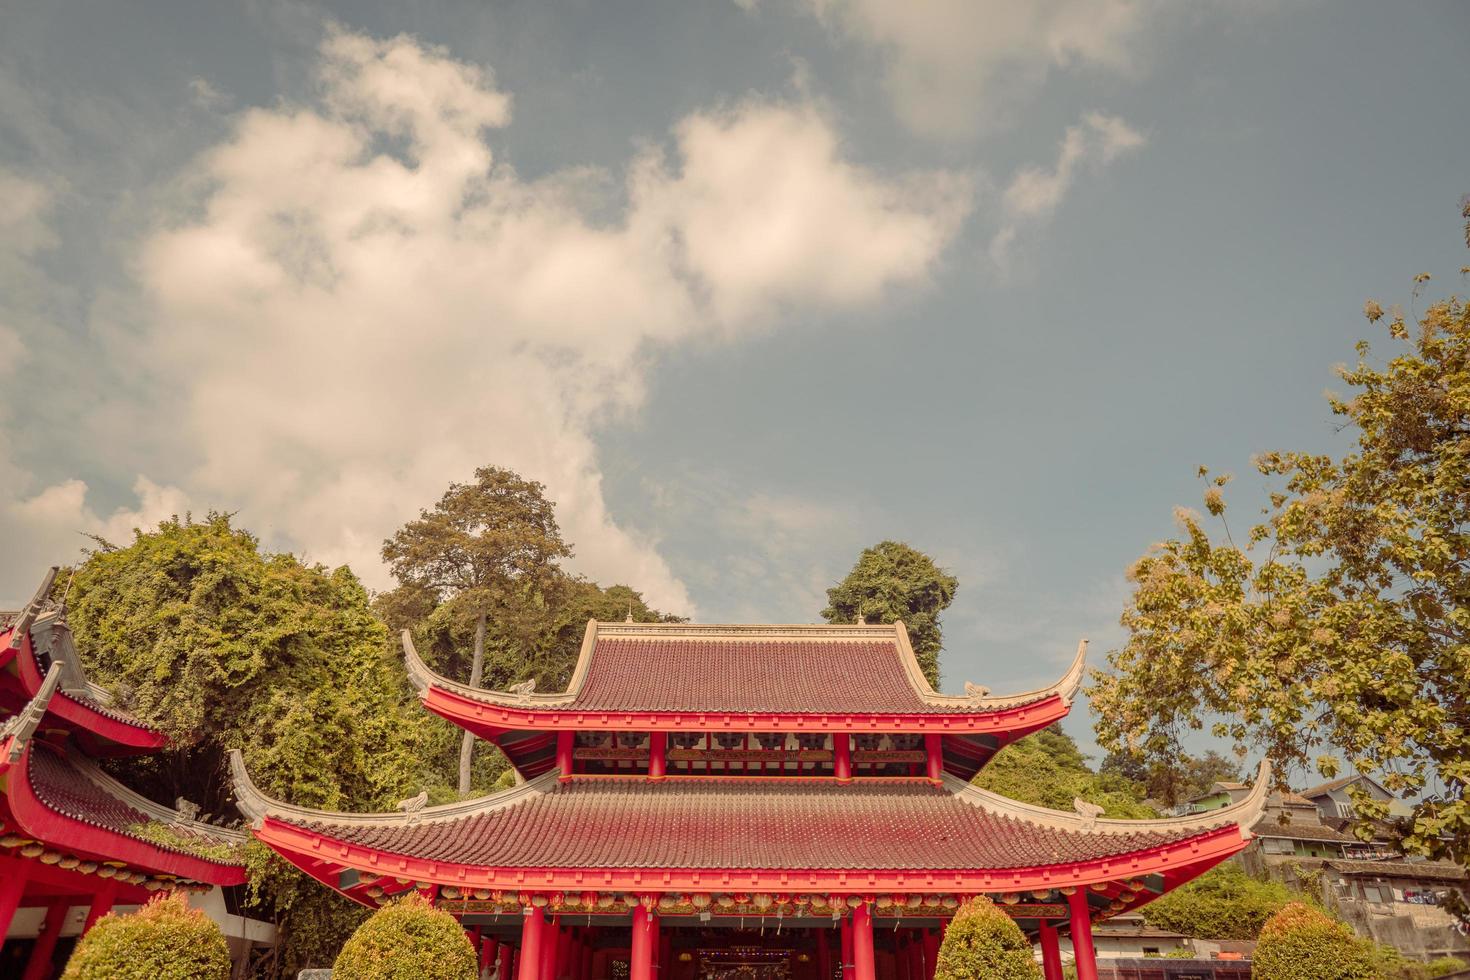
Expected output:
(1034, 193)
(952, 67)
(356, 304)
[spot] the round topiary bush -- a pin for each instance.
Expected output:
(1301, 943)
(982, 941)
(407, 940)
(164, 940)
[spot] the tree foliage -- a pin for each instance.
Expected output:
(164, 940)
(1047, 769)
(1223, 903)
(982, 941)
(1172, 781)
(1342, 621)
(1302, 943)
(222, 646)
(407, 939)
(892, 581)
(488, 547)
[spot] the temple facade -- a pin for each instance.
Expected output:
(74, 842)
(754, 802)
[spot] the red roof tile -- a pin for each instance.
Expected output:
(733, 824)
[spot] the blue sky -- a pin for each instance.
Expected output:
(749, 285)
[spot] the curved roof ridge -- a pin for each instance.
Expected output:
(422, 676)
(158, 811)
(256, 805)
(1244, 813)
(21, 726)
(22, 624)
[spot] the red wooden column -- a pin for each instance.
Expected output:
(842, 757)
(847, 947)
(564, 947)
(533, 938)
(931, 952)
(13, 876)
(658, 754)
(584, 968)
(564, 758)
(38, 967)
(863, 962)
(488, 949)
(824, 955)
(665, 955)
(900, 956)
(1051, 953)
(645, 943)
(934, 756)
(1082, 949)
(916, 955)
(506, 964)
(101, 905)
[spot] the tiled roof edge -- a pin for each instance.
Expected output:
(22, 624)
(24, 723)
(1244, 813)
(256, 805)
(164, 814)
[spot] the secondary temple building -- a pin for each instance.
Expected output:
(757, 802)
(71, 836)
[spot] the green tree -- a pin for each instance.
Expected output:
(1342, 621)
(407, 939)
(1302, 943)
(1047, 769)
(490, 546)
(1171, 781)
(1223, 903)
(164, 940)
(892, 581)
(222, 646)
(982, 941)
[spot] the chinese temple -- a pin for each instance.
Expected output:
(71, 836)
(747, 803)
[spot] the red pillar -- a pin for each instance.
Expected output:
(665, 955)
(1051, 953)
(847, 947)
(1083, 952)
(824, 955)
(488, 949)
(658, 754)
(533, 937)
(564, 743)
(584, 967)
(13, 874)
(645, 942)
(863, 963)
(842, 756)
(931, 952)
(38, 967)
(101, 905)
(900, 956)
(505, 956)
(934, 756)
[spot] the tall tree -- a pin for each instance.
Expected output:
(490, 545)
(1342, 623)
(892, 581)
(1172, 780)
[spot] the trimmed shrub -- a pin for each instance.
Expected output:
(982, 941)
(1223, 903)
(1301, 943)
(408, 940)
(164, 940)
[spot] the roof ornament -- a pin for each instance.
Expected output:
(862, 620)
(629, 617)
(20, 727)
(1089, 812)
(188, 812)
(524, 689)
(22, 624)
(414, 804)
(976, 690)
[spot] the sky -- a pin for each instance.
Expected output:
(749, 285)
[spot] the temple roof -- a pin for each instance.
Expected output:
(705, 823)
(748, 670)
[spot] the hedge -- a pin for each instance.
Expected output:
(164, 940)
(982, 941)
(1301, 943)
(408, 940)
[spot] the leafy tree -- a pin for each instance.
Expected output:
(222, 646)
(408, 940)
(892, 581)
(982, 941)
(1302, 943)
(164, 940)
(1047, 769)
(1223, 903)
(1342, 621)
(1172, 781)
(487, 546)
